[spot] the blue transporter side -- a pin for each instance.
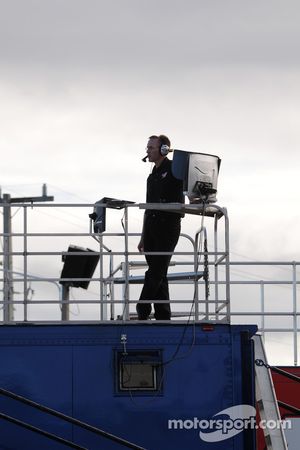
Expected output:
(161, 387)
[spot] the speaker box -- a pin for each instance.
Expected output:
(78, 266)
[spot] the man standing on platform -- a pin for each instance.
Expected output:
(161, 229)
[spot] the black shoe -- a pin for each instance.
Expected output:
(143, 311)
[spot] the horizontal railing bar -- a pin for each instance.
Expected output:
(261, 282)
(278, 330)
(97, 279)
(110, 253)
(67, 234)
(68, 205)
(241, 282)
(121, 302)
(86, 302)
(43, 433)
(141, 206)
(109, 280)
(259, 313)
(231, 263)
(265, 263)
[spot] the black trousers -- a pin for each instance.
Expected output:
(160, 235)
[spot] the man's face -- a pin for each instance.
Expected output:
(153, 151)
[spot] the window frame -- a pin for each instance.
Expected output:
(148, 357)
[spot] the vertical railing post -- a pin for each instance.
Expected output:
(111, 288)
(8, 291)
(101, 275)
(206, 272)
(104, 301)
(126, 267)
(216, 283)
(25, 262)
(227, 266)
(262, 303)
(196, 288)
(295, 333)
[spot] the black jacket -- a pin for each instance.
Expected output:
(163, 187)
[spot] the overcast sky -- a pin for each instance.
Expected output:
(83, 83)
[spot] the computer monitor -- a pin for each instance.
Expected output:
(199, 172)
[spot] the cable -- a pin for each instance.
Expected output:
(163, 365)
(174, 357)
(199, 250)
(68, 193)
(61, 219)
(153, 398)
(76, 304)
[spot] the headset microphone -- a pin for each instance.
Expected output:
(145, 158)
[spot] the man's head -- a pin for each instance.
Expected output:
(154, 148)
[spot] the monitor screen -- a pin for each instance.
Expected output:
(199, 172)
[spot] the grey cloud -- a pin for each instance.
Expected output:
(156, 35)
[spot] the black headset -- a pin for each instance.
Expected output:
(164, 149)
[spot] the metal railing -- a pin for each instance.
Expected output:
(65, 418)
(117, 260)
(205, 289)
